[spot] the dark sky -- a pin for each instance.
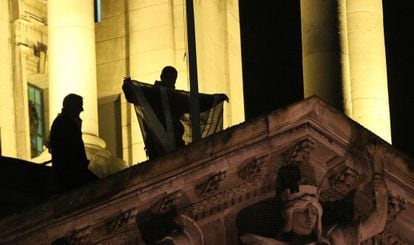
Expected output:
(272, 66)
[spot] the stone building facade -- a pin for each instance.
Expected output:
(223, 187)
(52, 48)
(218, 189)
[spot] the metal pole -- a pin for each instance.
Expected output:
(192, 63)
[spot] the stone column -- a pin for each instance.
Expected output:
(217, 27)
(344, 59)
(72, 59)
(72, 69)
(324, 52)
(368, 66)
(234, 110)
(7, 113)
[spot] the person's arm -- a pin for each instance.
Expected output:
(376, 220)
(130, 88)
(127, 88)
(207, 100)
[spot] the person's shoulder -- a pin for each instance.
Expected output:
(62, 121)
(58, 127)
(62, 118)
(58, 119)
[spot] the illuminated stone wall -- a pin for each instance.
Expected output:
(138, 38)
(7, 121)
(112, 63)
(217, 28)
(134, 38)
(23, 48)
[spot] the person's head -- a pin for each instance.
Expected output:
(168, 77)
(72, 105)
(303, 214)
(304, 219)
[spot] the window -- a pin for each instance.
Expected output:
(36, 119)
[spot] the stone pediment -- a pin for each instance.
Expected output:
(209, 183)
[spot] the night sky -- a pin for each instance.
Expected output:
(272, 65)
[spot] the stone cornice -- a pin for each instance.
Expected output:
(217, 174)
(227, 199)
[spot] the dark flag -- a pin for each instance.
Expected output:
(163, 115)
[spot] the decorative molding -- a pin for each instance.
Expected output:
(386, 238)
(253, 169)
(166, 203)
(191, 234)
(299, 128)
(299, 153)
(340, 184)
(211, 184)
(79, 237)
(226, 199)
(396, 204)
(125, 218)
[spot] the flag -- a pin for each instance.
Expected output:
(163, 115)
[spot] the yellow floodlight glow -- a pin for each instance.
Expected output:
(344, 59)
(368, 71)
(72, 64)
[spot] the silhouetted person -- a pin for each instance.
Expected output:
(162, 108)
(69, 159)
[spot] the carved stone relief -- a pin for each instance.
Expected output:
(253, 169)
(166, 203)
(302, 212)
(299, 153)
(191, 234)
(387, 238)
(211, 184)
(227, 199)
(125, 218)
(340, 184)
(396, 204)
(78, 237)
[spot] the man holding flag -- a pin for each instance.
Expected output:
(162, 112)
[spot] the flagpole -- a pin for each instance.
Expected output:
(193, 76)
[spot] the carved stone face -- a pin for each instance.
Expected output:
(304, 220)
